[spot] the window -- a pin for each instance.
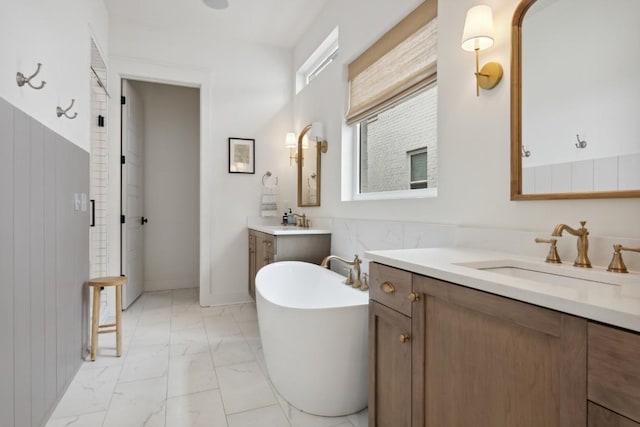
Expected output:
(318, 60)
(393, 146)
(418, 174)
(393, 111)
(328, 60)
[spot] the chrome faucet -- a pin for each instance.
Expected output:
(582, 260)
(356, 282)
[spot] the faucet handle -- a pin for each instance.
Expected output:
(617, 264)
(349, 279)
(552, 256)
(365, 282)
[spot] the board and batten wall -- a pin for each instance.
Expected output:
(44, 262)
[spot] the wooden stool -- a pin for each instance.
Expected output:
(97, 284)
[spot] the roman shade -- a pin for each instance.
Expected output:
(401, 63)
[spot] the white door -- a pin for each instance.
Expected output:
(132, 194)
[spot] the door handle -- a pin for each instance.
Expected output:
(143, 220)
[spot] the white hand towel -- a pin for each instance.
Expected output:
(268, 206)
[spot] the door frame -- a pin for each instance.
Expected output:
(130, 69)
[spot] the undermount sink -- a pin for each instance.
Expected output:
(553, 274)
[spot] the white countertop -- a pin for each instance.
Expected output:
(615, 304)
(288, 230)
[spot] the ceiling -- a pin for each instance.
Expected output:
(278, 23)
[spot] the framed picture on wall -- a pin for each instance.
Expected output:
(242, 155)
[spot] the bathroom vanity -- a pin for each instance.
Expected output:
(271, 243)
(457, 338)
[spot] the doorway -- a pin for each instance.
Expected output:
(160, 187)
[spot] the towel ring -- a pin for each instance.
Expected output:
(267, 175)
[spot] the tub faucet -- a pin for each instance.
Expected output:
(582, 260)
(357, 282)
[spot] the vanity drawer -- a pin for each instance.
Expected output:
(391, 287)
(614, 370)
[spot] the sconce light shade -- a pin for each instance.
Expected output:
(478, 29)
(305, 142)
(478, 35)
(290, 140)
(317, 131)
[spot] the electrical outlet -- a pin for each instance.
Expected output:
(83, 202)
(76, 202)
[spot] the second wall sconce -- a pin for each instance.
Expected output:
(477, 36)
(290, 143)
(315, 131)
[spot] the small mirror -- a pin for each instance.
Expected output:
(575, 99)
(310, 146)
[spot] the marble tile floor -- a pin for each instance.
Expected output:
(183, 366)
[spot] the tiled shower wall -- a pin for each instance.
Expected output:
(99, 179)
(44, 262)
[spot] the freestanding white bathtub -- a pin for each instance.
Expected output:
(314, 332)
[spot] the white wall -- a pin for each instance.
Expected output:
(171, 187)
(56, 34)
(474, 142)
(245, 91)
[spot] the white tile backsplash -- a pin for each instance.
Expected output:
(542, 179)
(629, 172)
(605, 174)
(561, 178)
(582, 175)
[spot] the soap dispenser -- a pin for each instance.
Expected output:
(290, 218)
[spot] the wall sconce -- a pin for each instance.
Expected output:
(290, 143)
(315, 131)
(477, 36)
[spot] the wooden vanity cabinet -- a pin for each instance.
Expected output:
(266, 248)
(477, 359)
(602, 417)
(613, 377)
(389, 367)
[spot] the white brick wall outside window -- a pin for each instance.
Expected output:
(387, 140)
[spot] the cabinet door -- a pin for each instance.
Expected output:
(252, 264)
(602, 417)
(265, 246)
(614, 369)
(389, 367)
(490, 361)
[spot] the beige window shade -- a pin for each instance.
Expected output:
(398, 65)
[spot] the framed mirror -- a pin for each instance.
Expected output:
(310, 147)
(575, 99)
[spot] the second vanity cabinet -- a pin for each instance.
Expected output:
(265, 248)
(446, 355)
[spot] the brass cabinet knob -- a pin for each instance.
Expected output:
(387, 288)
(267, 242)
(404, 338)
(414, 296)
